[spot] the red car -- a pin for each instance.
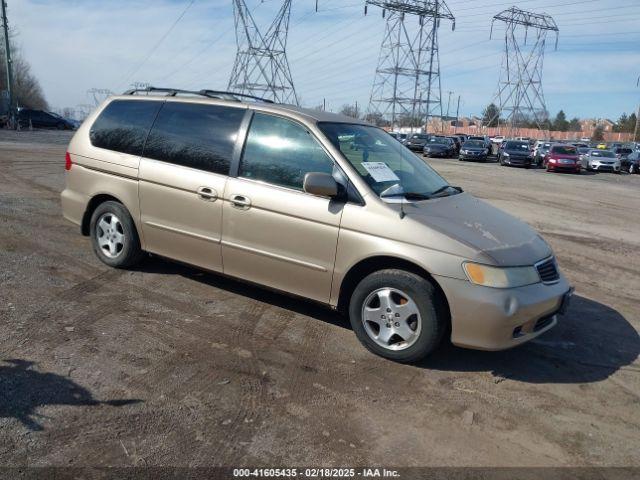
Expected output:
(562, 158)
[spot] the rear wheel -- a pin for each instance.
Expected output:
(114, 236)
(398, 315)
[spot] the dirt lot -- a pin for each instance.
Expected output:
(166, 365)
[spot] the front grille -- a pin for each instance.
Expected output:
(548, 271)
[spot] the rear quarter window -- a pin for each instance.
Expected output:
(123, 125)
(195, 135)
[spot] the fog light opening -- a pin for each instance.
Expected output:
(517, 332)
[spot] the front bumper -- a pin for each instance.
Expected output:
(443, 154)
(519, 161)
(471, 156)
(599, 167)
(496, 319)
(416, 148)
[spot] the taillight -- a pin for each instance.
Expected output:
(67, 162)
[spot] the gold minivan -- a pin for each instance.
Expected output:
(314, 204)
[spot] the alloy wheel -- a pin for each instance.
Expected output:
(110, 235)
(391, 318)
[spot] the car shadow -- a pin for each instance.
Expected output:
(23, 389)
(153, 264)
(590, 343)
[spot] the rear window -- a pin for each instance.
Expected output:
(123, 125)
(195, 135)
(564, 150)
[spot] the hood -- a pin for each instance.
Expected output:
(566, 156)
(498, 237)
(518, 153)
(437, 146)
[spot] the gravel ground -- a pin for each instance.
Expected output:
(167, 365)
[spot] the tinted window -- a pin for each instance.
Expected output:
(123, 125)
(282, 152)
(195, 136)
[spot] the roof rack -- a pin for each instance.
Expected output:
(172, 92)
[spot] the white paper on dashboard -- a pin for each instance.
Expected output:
(380, 171)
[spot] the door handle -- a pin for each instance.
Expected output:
(207, 193)
(240, 201)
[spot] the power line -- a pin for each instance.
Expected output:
(158, 43)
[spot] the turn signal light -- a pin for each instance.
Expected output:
(67, 162)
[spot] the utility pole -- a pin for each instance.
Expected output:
(635, 131)
(455, 129)
(9, 63)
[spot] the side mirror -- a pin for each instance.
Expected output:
(321, 184)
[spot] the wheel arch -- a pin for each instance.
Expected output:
(94, 203)
(382, 262)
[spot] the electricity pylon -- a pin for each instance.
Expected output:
(520, 96)
(261, 67)
(407, 84)
(99, 95)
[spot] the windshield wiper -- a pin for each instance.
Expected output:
(445, 187)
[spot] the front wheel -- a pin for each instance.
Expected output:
(114, 236)
(398, 315)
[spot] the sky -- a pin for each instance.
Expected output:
(77, 45)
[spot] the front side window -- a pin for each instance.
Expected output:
(195, 135)
(281, 152)
(123, 125)
(388, 167)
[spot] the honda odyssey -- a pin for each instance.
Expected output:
(277, 195)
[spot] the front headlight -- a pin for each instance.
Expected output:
(497, 277)
(464, 152)
(505, 154)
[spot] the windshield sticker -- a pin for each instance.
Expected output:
(380, 172)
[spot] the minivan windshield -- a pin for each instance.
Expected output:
(564, 150)
(384, 163)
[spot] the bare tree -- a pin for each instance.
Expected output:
(27, 90)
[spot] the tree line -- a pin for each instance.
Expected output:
(27, 91)
(491, 118)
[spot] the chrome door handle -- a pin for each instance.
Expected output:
(207, 193)
(240, 201)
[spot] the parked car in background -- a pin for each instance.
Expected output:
(585, 139)
(601, 146)
(601, 161)
(484, 139)
(631, 164)
(456, 142)
(541, 153)
(582, 153)
(41, 119)
(622, 152)
(439, 147)
(497, 139)
(562, 158)
(417, 141)
(516, 153)
(473, 150)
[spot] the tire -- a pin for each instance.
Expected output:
(114, 236)
(429, 320)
